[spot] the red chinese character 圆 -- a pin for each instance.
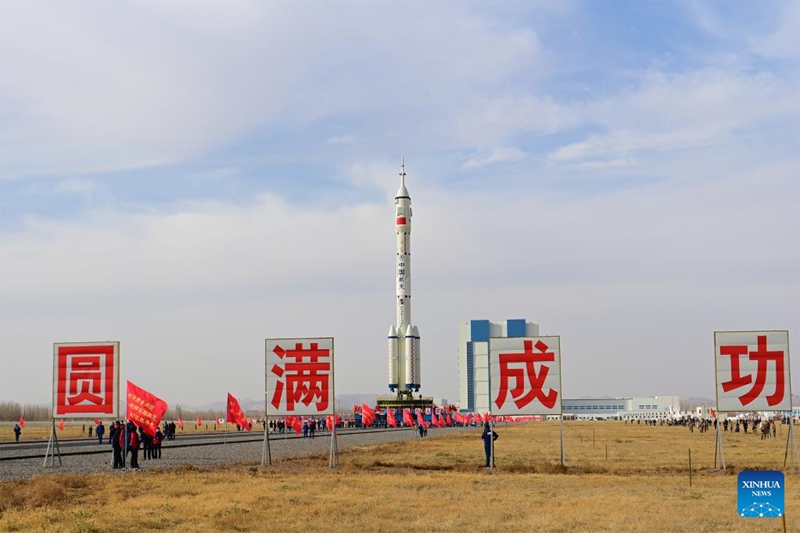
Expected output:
(85, 380)
(763, 357)
(303, 376)
(520, 367)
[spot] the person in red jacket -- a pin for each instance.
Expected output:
(132, 438)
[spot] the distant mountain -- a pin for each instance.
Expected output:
(344, 403)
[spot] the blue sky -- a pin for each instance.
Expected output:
(192, 178)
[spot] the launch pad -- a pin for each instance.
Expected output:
(404, 401)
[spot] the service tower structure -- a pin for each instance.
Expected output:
(404, 352)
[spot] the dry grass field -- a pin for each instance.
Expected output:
(432, 484)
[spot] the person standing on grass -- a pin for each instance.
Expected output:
(100, 431)
(17, 431)
(488, 436)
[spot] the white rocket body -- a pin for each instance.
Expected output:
(404, 345)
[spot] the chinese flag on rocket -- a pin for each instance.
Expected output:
(144, 408)
(367, 415)
(235, 415)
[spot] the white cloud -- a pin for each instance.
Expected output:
(500, 154)
(145, 84)
(342, 139)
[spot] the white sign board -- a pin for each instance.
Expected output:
(525, 375)
(299, 377)
(752, 369)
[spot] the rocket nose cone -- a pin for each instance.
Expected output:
(392, 331)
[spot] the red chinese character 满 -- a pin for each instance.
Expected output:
(304, 376)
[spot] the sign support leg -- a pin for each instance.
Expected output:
(52, 448)
(334, 460)
(563, 452)
(266, 453)
(791, 447)
(718, 450)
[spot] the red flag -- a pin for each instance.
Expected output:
(294, 422)
(420, 420)
(367, 415)
(390, 417)
(235, 415)
(199, 422)
(449, 420)
(442, 422)
(22, 421)
(712, 412)
(180, 423)
(435, 420)
(97, 421)
(145, 409)
(329, 422)
(61, 424)
(407, 418)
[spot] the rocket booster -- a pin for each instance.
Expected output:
(404, 343)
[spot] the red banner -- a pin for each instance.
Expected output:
(180, 423)
(407, 418)
(61, 424)
(367, 415)
(22, 422)
(144, 409)
(199, 422)
(294, 422)
(390, 417)
(235, 415)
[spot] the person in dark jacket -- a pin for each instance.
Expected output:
(116, 444)
(17, 431)
(488, 436)
(100, 431)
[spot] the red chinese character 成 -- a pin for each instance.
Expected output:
(520, 367)
(763, 357)
(304, 376)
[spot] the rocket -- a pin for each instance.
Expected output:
(404, 352)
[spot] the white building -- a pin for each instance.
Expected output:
(637, 407)
(473, 357)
